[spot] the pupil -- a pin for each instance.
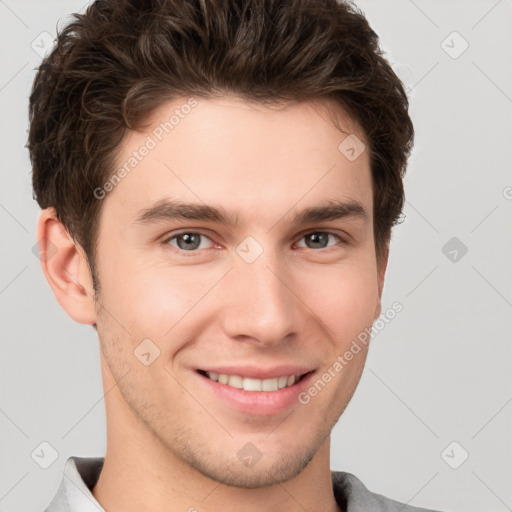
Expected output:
(188, 238)
(318, 239)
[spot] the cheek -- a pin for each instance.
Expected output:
(343, 298)
(150, 300)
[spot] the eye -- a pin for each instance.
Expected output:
(192, 241)
(318, 239)
(188, 241)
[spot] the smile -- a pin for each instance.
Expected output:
(262, 391)
(251, 384)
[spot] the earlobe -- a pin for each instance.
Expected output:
(66, 269)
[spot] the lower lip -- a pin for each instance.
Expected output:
(264, 403)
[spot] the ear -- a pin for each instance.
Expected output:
(66, 269)
(381, 272)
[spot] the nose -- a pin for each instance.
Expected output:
(260, 305)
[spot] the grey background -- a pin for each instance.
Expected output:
(439, 372)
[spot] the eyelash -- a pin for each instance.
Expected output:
(197, 252)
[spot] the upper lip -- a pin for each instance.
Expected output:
(254, 372)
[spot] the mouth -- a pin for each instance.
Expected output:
(253, 391)
(253, 384)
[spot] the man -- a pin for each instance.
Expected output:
(219, 180)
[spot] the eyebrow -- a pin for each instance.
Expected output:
(165, 210)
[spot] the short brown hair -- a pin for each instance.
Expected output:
(121, 59)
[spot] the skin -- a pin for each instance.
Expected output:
(171, 443)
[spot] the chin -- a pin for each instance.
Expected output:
(269, 469)
(260, 475)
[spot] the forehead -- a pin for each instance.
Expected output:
(241, 155)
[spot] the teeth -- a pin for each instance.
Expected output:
(269, 385)
(235, 381)
(252, 384)
(249, 384)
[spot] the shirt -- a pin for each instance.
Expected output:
(82, 473)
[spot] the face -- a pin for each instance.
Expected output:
(254, 285)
